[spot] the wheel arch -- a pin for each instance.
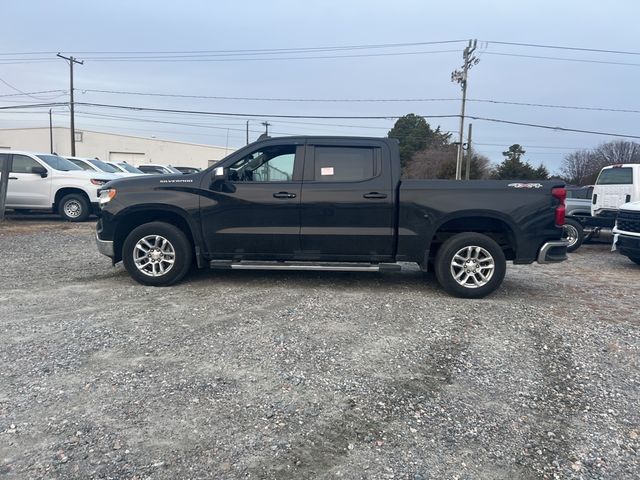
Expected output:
(67, 191)
(129, 219)
(492, 224)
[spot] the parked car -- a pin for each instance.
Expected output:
(626, 233)
(329, 203)
(158, 169)
(95, 165)
(40, 181)
(125, 167)
(187, 170)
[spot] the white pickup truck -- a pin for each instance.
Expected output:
(626, 233)
(41, 181)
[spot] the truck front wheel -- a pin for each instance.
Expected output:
(157, 253)
(74, 207)
(470, 265)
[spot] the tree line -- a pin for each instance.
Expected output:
(429, 153)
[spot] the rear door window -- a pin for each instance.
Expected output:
(344, 164)
(616, 176)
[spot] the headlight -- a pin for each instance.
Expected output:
(97, 181)
(106, 196)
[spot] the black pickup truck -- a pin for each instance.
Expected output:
(328, 203)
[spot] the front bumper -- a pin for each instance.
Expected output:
(627, 245)
(553, 252)
(105, 247)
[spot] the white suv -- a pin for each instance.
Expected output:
(41, 181)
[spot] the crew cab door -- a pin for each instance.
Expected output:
(255, 212)
(27, 189)
(347, 202)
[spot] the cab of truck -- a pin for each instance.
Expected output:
(615, 186)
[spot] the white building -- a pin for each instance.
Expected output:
(112, 147)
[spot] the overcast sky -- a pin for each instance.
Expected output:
(82, 28)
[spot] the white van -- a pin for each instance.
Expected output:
(616, 185)
(42, 181)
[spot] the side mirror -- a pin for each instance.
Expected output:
(220, 181)
(40, 171)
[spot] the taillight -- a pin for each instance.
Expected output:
(561, 194)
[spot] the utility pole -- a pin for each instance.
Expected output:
(460, 76)
(71, 61)
(266, 128)
(5, 169)
(467, 173)
(247, 132)
(50, 132)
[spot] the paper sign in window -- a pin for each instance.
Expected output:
(326, 171)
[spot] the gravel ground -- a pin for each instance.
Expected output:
(238, 374)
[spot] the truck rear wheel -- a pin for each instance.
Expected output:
(470, 265)
(157, 254)
(573, 232)
(74, 207)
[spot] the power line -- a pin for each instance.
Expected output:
(560, 47)
(353, 117)
(549, 127)
(31, 93)
(190, 59)
(247, 51)
(581, 60)
(362, 100)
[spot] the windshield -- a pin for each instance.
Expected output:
(130, 168)
(58, 163)
(105, 167)
(615, 176)
(172, 169)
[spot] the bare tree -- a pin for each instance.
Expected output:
(618, 151)
(582, 166)
(578, 167)
(428, 163)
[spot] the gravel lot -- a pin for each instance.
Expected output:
(237, 374)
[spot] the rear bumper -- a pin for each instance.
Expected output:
(553, 252)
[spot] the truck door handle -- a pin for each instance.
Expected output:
(375, 195)
(13, 178)
(284, 195)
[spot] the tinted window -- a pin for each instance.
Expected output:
(58, 163)
(615, 176)
(105, 167)
(81, 164)
(23, 164)
(583, 193)
(130, 168)
(340, 164)
(268, 165)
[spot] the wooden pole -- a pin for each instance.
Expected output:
(5, 168)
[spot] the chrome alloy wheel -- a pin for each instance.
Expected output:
(154, 255)
(570, 233)
(472, 266)
(73, 208)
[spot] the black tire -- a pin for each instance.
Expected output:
(158, 270)
(74, 207)
(574, 232)
(489, 252)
